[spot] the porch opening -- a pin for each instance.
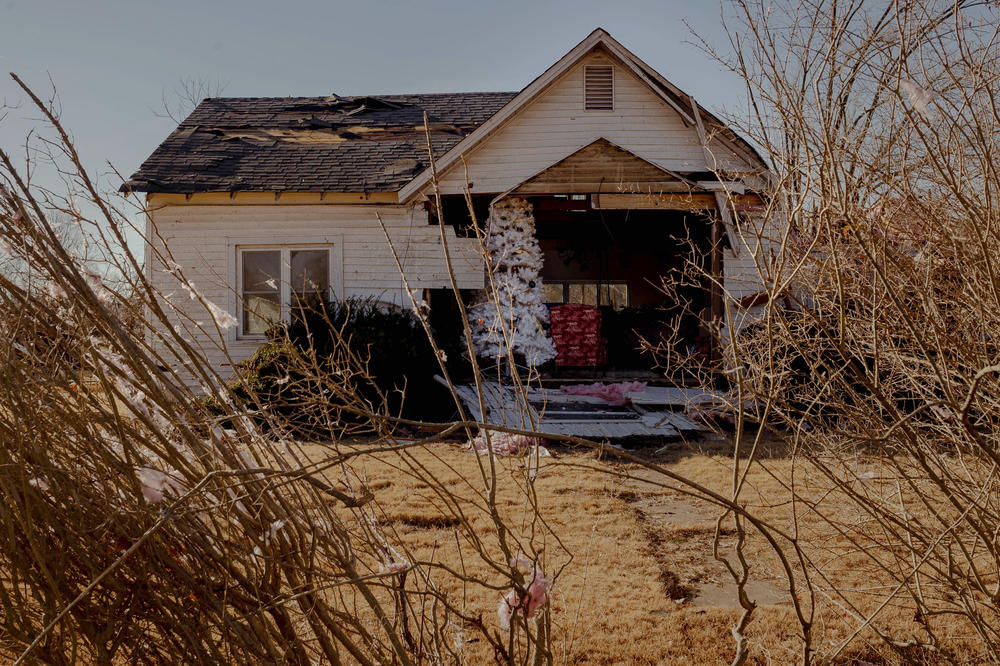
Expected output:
(645, 271)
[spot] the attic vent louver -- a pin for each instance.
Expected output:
(598, 88)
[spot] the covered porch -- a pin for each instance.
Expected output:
(640, 245)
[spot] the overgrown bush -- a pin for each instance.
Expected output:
(136, 530)
(380, 351)
(815, 382)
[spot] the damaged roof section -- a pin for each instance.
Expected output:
(310, 144)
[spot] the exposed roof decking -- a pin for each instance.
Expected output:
(310, 144)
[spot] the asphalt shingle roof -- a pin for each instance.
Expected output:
(310, 144)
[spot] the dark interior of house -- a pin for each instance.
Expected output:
(645, 270)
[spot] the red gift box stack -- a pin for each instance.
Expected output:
(576, 333)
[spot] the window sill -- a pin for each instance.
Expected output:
(245, 337)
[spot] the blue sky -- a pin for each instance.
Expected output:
(111, 61)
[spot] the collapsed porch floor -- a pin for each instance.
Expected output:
(654, 412)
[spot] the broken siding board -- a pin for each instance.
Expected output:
(658, 201)
(653, 201)
(470, 398)
(583, 187)
(672, 418)
(675, 396)
(645, 403)
(593, 430)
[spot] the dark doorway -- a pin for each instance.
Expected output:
(646, 270)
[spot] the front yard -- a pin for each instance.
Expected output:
(635, 579)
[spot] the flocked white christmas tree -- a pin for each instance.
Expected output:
(516, 312)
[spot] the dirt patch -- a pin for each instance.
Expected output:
(724, 594)
(426, 522)
(681, 535)
(673, 588)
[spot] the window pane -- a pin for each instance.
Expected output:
(615, 295)
(619, 296)
(585, 293)
(553, 292)
(310, 271)
(261, 270)
(307, 300)
(260, 311)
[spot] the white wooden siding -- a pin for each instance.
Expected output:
(555, 125)
(749, 271)
(202, 240)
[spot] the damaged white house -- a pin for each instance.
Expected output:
(256, 199)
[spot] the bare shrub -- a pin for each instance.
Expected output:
(877, 344)
(142, 527)
(138, 529)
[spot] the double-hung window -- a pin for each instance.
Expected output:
(276, 280)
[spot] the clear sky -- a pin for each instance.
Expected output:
(112, 60)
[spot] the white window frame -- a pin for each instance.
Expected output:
(284, 284)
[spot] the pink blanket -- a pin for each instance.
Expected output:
(615, 394)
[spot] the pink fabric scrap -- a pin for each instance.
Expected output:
(615, 394)
(155, 484)
(524, 601)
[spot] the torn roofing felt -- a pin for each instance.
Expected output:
(310, 144)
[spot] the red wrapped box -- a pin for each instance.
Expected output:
(576, 333)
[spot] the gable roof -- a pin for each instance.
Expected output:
(682, 103)
(364, 144)
(310, 144)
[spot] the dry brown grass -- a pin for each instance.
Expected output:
(633, 558)
(608, 600)
(848, 583)
(616, 601)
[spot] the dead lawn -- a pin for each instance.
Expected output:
(636, 582)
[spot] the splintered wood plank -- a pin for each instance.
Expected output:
(672, 419)
(675, 201)
(606, 430)
(675, 396)
(505, 408)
